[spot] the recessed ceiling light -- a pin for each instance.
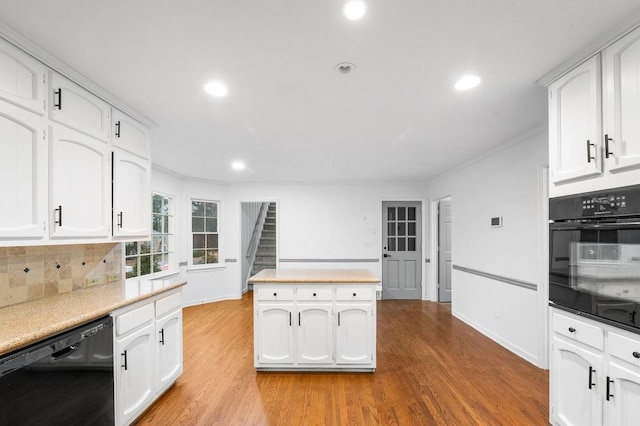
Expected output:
(344, 67)
(238, 165)
(354, 9)
(467, 82)
(216, 88)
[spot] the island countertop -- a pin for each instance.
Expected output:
(26, 323)
(314, 276)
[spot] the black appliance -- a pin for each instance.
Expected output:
(594, 255)
(64, 380)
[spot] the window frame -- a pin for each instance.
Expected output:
(171, 245)
(203, 266)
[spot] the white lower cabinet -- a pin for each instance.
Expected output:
(306, 327)
(147, 353)
(595, 372)
(353, 333)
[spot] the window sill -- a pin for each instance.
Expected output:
(204, 268)
(156, 276)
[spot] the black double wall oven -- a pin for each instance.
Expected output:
(594, 255)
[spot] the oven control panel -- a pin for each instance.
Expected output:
(619, 202)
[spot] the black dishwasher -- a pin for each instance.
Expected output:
(63, 380)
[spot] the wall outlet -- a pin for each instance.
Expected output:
(91, 281)
(113, 277)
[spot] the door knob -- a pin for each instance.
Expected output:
(386, 255)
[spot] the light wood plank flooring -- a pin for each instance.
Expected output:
(432, 369)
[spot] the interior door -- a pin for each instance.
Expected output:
(444, 251)
(402, 250)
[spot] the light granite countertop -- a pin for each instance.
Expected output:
(26, 323)
(314, 276)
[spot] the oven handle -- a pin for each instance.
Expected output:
(622, 225)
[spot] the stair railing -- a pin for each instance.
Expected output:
(255, 237)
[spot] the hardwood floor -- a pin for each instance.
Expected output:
(432, 369)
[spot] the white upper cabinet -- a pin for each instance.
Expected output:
(574, 124)
(78, 109)
(22, 79)
(130, 135)
(23, 174)
(131, 196)
(79, 186)
(621, 68)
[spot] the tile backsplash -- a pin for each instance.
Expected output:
(30, 273)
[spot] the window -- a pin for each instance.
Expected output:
(204, 229)
(155, 255)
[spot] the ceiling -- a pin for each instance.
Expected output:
(289, 115)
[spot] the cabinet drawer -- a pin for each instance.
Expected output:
(314, 293)
(168, 304)
(354, 293)
(275, 293)
(579, 330)
(624, 347)
(133, 319)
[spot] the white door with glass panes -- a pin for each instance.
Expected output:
(315, 333)
(80, 185)
(22, 79)
(621, 77)
(204, 230)
(131, 203)
(402, 250)
(23, 174)
(575, 138)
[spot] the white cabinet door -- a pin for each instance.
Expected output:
(576, 381)
(315, 333)
(623, 401)
(22, 79)
(131, 196)
(135, 377)
(275, 342)
(621, 69)
(130, 135)
(575, 124)
(80, 180)
(353, 333)
(169, 345)
(78, 109)
(23, 174)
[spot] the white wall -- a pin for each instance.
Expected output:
(507, 183)
(325, 222)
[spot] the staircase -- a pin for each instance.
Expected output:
(266, 252)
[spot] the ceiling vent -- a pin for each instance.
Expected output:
(345, 68)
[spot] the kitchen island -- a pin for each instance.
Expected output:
(310, 320)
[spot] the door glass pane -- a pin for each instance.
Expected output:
(402, 213)
(391, 213)
(131, 266)
(145, 247)
(131, 248)
(212, 256)
(412, 244)
(391, 244)
(157, 223)
(212, 225)
(411, 229)
(157, 203)
(212, 240)
(401, 244)
(211, 209)
(197, 208)
(158, 263)
(391, 229)
(402, 228)
(411, 214)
